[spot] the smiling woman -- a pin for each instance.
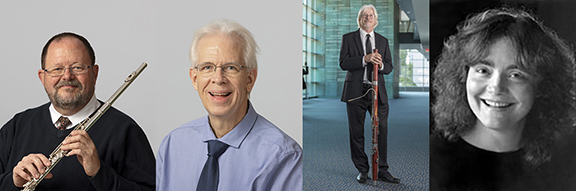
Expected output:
(500, 95)
(504, 96)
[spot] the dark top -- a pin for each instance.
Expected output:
(304, 72)
(461, 166)
(351, 54)
(126, 158)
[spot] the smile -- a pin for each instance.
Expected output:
(67, 86)
(496, 104)
(220, 94)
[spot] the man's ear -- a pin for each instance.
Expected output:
(41, 76)
(95, 69)
(251, 79)
(194, 77)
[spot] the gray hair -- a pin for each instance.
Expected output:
(362, 9)
(232, 29)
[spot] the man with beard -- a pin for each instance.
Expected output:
(357, 57)
(116, 155)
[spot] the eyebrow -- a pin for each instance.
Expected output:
(491, 64)
(222, 64)
(485, 62)
(62, 65)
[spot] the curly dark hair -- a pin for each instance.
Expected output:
(540, 52)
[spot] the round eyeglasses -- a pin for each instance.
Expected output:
(229, 69)
(75, 69)
(368, 16)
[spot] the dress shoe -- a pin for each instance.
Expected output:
(362, 177)
(387, 177)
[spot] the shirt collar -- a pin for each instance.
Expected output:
(79, 116)
(235, 137)
(363, 33)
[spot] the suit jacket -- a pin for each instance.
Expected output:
(351, 54)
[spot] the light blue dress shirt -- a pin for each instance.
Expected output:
(260, 156)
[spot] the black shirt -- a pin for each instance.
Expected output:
(126, 158)
(460, 166)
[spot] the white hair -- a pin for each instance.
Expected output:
(232, 29)
(362, 9)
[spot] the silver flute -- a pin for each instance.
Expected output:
(85, 125)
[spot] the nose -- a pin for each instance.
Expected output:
(218, 76)
(497, 84)
(67, 74)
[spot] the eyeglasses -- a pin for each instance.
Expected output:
(75, 69)
(229, 69)
(368, 16)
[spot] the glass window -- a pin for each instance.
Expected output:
(414, 69)
(324, 23)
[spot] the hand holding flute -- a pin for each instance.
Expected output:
(31, 166)
(78, 143)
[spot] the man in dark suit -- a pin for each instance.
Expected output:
(357, 56)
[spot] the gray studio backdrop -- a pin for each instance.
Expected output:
(126, 33)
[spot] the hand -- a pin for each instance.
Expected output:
(379, 65)
(80, 144)
(374, 58)
(31, 166)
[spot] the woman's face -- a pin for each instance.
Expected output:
(500, 93)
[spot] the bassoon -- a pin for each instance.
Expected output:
(375, 122)
(85, 125)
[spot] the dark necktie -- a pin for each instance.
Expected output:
(64, 122)
(369, 51)
(368, 45)
(210, 175)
